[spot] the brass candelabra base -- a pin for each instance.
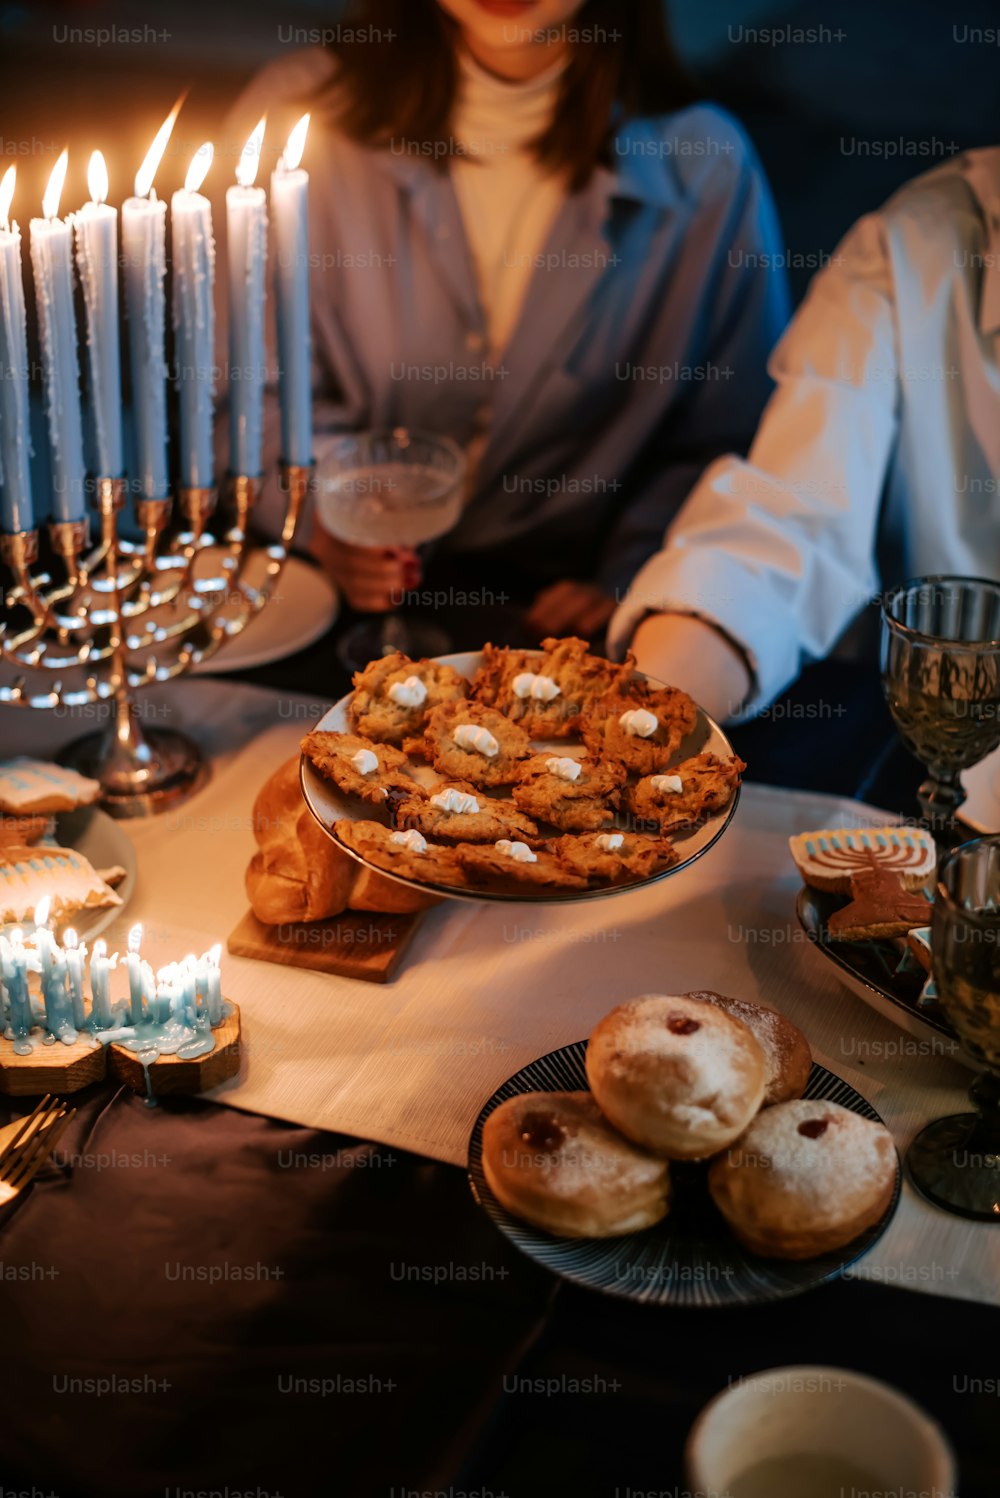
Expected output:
(151, 771)
(135, 613)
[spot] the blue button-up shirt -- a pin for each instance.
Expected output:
(638, 357)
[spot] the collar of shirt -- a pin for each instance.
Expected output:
(981, 170)
(641, 170)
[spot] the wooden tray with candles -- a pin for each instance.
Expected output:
(61, 1029)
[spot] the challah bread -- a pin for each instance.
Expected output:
(298, 872)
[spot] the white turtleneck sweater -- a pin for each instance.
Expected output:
(508, 202)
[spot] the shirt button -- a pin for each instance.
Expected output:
(474, 342)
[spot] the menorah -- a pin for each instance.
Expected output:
(129, 612)
(163, 587)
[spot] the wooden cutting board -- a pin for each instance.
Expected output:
(356, 944)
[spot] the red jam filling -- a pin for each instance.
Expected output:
(540, 1131)
(679, 1024)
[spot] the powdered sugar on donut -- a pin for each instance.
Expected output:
(822, 1172)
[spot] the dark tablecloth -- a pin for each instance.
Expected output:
(203, 1300)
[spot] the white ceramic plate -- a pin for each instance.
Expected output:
(104, 844)
(329, 805)
(982, 785)
(303, 607)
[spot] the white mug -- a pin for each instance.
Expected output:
(818, 1413)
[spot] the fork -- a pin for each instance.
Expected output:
(23, 1156)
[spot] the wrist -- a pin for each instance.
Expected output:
(689, 652)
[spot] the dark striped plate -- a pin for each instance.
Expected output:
(689, 1259)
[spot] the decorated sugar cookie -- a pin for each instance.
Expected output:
(828, 859)
(30, 786)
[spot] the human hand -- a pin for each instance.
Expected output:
(371, 578)
(570, 607)
(689, 653)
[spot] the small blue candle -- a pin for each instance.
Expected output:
(246, 234)
(52, 263)
(189, 989)
(194, 322)
(100, 997)
(134, 966)
(16, 512)
(214, 988)
(290, 213)
(15, 977)
(57, 1011)
(74, 955)
(96, 227)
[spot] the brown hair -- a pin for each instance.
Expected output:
(622, 64)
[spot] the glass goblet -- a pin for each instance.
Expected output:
(956, 1161)
(390, 488)
(940, 661)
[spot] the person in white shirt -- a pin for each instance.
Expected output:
(876, 459)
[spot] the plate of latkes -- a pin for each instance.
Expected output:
(531, 775)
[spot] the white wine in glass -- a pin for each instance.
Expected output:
(390, 488)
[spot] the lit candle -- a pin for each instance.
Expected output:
(134, 966)
(43, 939)
(51, 967)
(148, 979)
(246, 234)
(74, 955)
(16, 512)
(144, 220)
(214, 989)
(100, 997)
(52, 264)
(290, 211)
(96, 228)
(193, 250)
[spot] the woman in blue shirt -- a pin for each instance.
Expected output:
(526, 236)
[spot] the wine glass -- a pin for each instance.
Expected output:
(956, 1161)
(941, 678)
(390, 488)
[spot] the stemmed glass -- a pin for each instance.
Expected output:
(956, 1161)
(390, 488)
(941, 678)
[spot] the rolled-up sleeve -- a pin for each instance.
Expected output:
(779, 550)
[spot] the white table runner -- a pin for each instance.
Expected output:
(485, 989)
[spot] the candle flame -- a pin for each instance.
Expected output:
(135, 937)
(7, 195)
(246, 167)
(214, 953)
(100, 949)
(296, 144)
(17, 937)
(144, 176)
(70, 939)
(97, 178)
(198, 170)
(50, 202)
(42, 910)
